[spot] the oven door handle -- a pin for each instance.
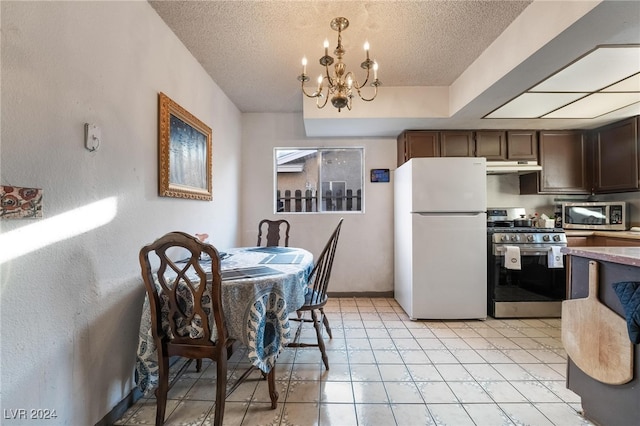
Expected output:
(538, 251)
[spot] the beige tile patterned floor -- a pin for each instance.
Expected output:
(388, 370)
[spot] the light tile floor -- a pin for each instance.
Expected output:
(388, 370)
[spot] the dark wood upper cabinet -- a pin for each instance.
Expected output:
(602, 160)
(457, 144)
(417, 143)
(491, 144)
(522, 145)
(564, 157)
(616, 157)
(512, 145)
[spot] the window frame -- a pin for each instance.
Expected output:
(363, 181)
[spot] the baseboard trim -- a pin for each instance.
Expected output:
(118, 411)
(371, 294)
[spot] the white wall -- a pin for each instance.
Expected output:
(504, 191)
(364, 258)
(70, 304)
(71, 308)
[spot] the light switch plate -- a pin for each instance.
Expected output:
(91, 137)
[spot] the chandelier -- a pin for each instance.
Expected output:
(340, 84)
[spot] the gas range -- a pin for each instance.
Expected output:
(525, 275)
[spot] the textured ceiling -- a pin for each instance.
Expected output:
(253, 49)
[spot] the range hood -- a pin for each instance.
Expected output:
(520, 167)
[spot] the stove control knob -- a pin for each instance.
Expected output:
(546, 238)
(515, 238)
(530, 238)
(504, 238)
(556, 238)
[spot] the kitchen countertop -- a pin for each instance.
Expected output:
(614, 234)
(622, 255)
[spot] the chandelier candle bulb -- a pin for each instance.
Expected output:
(366, 48)
(320, 83)
(375, 70)
(326, 47)
(304, 65)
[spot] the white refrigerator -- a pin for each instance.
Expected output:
(440, 242)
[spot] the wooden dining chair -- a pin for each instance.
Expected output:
(273, 229)
(186, 312)
(316, 297)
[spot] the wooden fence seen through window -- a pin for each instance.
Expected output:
(308, 201)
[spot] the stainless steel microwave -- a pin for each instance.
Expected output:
(612, 215)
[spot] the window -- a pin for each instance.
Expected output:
(319, 179)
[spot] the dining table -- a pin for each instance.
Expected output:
(261, 287)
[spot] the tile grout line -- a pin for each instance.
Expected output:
(371, 320)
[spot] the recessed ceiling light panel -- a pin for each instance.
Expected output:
(597, 70)
(631, 84)
(533, 105)
(605, 80)
(595, 105)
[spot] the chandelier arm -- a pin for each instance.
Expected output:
(326, 98)
(363, 84)
(355, 82)
(375, 93)
(313, 95)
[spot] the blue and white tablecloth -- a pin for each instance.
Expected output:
(261, 286)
